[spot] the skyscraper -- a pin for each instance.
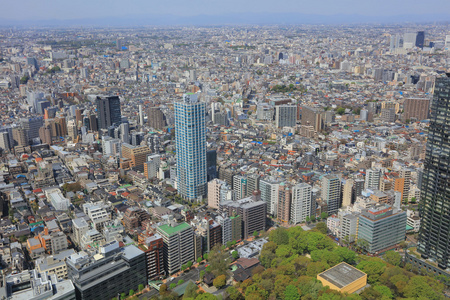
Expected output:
(190, 138)
(420, 39)
(108, 110)
(434, 242)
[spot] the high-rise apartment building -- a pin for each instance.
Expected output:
(4, 141)
(269, 194)
(372, 180)
(313, 117)
(20, 137)
(285, 115)
(240, 186)
(218, 190)
(434, 242)
(108, 111)
(347, 193)
(190, 140)
(301, 203)
(156, 118)
(252, 183)
(251, 210)
(284, 204)
(416, 108)
(178, 245)
(331, 192)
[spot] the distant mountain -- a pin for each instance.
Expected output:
(231, 19)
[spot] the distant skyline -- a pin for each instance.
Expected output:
(61, 10)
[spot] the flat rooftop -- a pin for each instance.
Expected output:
(342, 275)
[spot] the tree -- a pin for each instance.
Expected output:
(279, 236)
(345, 254)
(413, 200)
(183, 267)
(313, 218)
(308, 219)
(218, 260)
(255, 234)
(205, 256)
(340, 111)
(131, 293)
(199, 260)
(322, 228)
(324, 215)
(219, 281)
(163, 289)
(234, 294)
(373, 267)
(235, 254)
(24, 79)
(172, 285)
(140, 287)
(201, 275)
(392, 257)
(291, 293)
(191, 290)
(189, 264)
(206, 297)
(180, 282)
(123, 296)
(229, 244)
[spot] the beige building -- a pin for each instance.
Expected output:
(136, 154)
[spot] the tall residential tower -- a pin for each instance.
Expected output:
(434, 235)
(190, 138)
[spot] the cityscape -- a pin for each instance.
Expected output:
(236, 161)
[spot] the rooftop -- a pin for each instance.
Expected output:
(169, 230)
(342, 275)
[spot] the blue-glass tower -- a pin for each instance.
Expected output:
(190, 137)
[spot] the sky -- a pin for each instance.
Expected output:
(18, 10)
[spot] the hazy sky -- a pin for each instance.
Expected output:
(76, 9)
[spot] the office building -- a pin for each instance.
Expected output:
(156, 118)
(434, 240)
(190, 140)
(211, 165)
(178, 245)
(331, 192)
(31, 126)
(382, 227)
(416, 109)
(93, 123)
(34, 285)
(420, 39)
(301, 203)
(285, 116)
(111, 271)
(137, 155)
(108, 111)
